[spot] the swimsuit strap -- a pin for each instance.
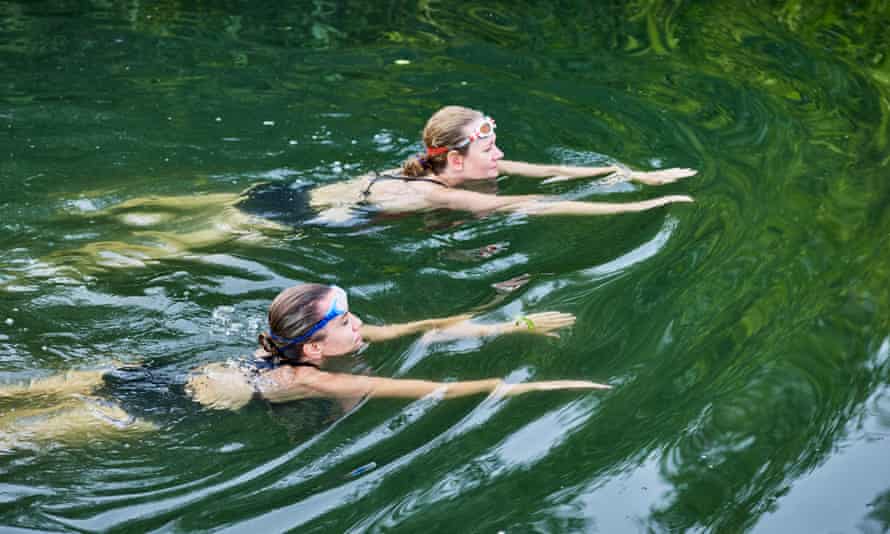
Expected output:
(377, 176)
(257, 366)
(265, 364)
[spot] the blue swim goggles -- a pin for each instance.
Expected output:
(339, 306)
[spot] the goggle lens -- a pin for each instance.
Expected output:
(485, 129)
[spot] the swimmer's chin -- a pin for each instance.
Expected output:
(360, 346)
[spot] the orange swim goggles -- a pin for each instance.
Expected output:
(485, 129)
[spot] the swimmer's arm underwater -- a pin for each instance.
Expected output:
(481, 203)
(221, 387)
(460, 326)
(557, 173)
(572, 207)
(355, 386)
(537, 170)
(542, 323)
(392, 331)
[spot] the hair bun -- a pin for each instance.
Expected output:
(266, 343)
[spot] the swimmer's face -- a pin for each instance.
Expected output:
(343, 334)
(483, 155)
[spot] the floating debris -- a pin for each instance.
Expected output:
(490, 250)
(359, 471)
(508, 286)
(475, 254)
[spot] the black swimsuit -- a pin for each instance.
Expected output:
(377, 177)
(279, 202)
(290, 205)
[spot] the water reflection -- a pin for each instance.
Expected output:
(147, 230)
(524, 448)
(878, 517)
(320, 503)
(167, 227)
(748, 334)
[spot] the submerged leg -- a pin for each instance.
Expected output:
(77, 419)
(69, 383)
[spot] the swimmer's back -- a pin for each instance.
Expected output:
(388, 191)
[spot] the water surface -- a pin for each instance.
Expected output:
(747, 333)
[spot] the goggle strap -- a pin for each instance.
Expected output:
(334, 311)
(435, 151)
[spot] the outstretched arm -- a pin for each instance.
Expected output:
(459, 326)
(457, 199)
(543, 323)
(537, 170)
(570, 207)
(392, 331)
(222, 387)
(557, 173)
(352, 386)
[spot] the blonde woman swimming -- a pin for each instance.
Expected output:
(459, 149)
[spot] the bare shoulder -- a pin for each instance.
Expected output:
(461, 199)
(346, 192)
(287, 383)
(401, 196)
(220, 386)
(338, 193)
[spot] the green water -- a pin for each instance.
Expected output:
(747, 334)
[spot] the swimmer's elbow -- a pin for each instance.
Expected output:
(524, 204)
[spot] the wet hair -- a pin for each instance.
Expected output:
(444, 129)
(293, 312)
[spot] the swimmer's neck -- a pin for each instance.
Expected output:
(313, 358)
(450, 178)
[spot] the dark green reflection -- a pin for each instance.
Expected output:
(746, 340)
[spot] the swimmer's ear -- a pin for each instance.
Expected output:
(455, 160)
(312, 350)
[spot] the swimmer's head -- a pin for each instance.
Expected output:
(309, 322)
(445, 132)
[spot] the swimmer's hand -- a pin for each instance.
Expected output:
(661, 177)
(543, 323)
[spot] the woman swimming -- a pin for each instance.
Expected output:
(460, 148)
(308, 324)
(460, 151)
(311, 323)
